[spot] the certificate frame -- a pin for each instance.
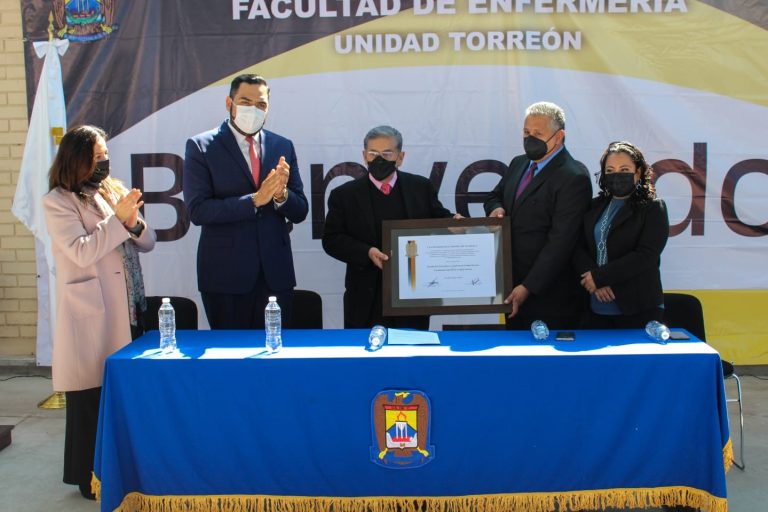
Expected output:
(493, 232)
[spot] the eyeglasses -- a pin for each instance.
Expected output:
(386, 155)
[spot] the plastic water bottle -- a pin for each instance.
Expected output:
(167, 320)
(540, 330)
(657, 331)
(377, 337)
(273, 326)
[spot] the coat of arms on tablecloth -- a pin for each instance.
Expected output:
(400, 422)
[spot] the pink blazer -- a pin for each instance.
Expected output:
(91, 298)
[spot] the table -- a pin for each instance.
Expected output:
(611, 419)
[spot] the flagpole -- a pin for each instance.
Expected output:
(47, 125)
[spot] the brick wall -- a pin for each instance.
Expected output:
(18, 279)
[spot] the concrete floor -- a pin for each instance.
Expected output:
(30, 468)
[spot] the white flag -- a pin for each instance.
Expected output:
(46, 127)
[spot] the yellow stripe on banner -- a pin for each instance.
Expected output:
(702, 49)
(530, 502)
(736, 323)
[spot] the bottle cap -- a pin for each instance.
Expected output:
(166, 300)
(273, 299)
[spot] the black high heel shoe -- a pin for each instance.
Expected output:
(85, 490)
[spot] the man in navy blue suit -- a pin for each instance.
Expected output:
(242, 186)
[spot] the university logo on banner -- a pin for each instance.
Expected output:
(400, 427)
(84, 20)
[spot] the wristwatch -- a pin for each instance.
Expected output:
(283, 197)
(136, 230)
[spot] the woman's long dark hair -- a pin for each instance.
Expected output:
(74, 163)
(644, 190)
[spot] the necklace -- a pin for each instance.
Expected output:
(605, 228)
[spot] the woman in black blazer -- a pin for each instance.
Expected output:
(623, 234)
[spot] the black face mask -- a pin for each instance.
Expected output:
(381, 168)
(100, 173)
(535, 149)
(619, 184)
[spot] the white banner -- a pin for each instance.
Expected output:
(477, 115)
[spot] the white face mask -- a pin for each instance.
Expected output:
(249, 119)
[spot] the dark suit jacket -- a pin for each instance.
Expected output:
(236, 241)
(637, 236)
(546, 220)
(350, 232)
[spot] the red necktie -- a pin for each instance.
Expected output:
(386, 188)
(255, 162)
(527, 177)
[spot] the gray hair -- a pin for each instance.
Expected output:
(384, 131)
(555, 114)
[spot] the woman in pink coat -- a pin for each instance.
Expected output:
(94, 224)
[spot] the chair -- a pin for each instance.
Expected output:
(186, 313)
(307, 310)
(685, 311)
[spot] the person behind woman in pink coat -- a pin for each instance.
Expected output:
(96, 233)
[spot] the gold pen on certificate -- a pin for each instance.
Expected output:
(411, 252)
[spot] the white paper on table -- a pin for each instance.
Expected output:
(404, 337)
(157, 353)
(232, 352)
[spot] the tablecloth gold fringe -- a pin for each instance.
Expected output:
(527, 502)
(96, 486)
(728, 455)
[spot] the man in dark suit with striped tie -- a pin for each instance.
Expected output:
(545, 194)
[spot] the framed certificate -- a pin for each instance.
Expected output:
(446, 266)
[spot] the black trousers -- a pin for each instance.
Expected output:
(554, 322)
(376, 317)
(246, 310)
(81, 422)
(80, 435)
(592, 320)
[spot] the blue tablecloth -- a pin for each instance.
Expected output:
(609, 419)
